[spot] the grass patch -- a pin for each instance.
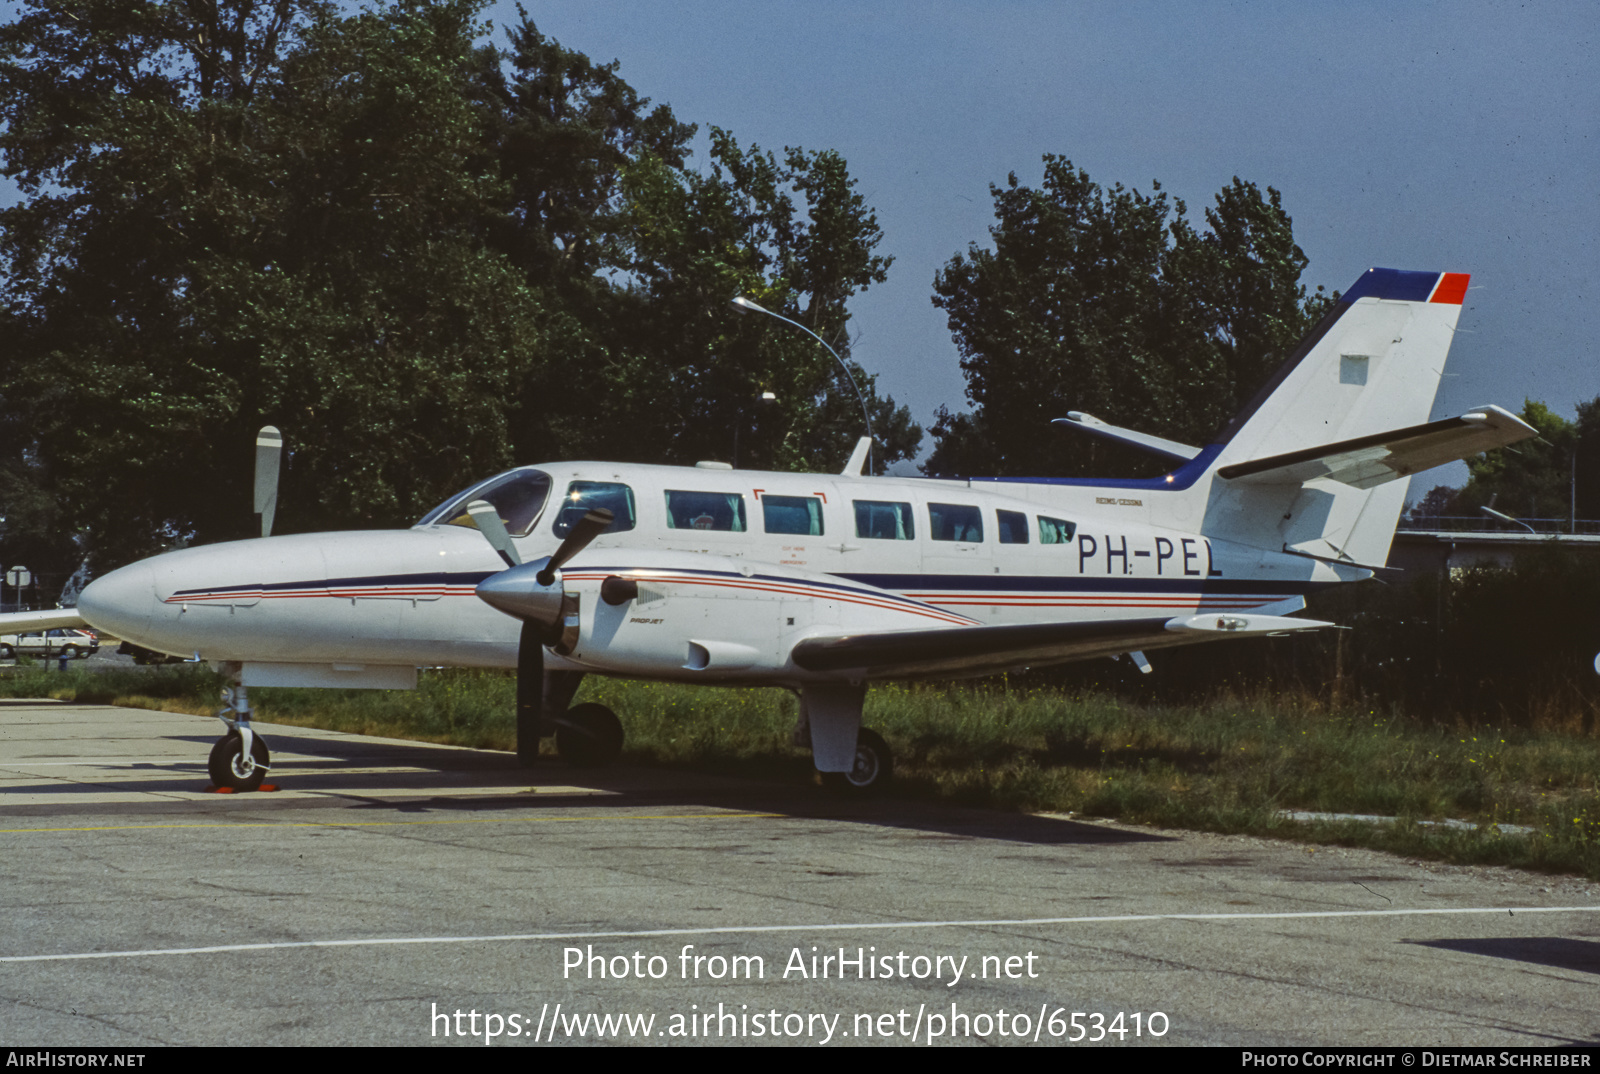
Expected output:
(1227, 765)
(175, 688)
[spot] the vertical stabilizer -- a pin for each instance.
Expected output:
(1373, 365)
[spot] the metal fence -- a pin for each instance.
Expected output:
(1485, 524)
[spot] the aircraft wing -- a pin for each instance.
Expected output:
(27, 622)
(1372, 460)
(982, 650)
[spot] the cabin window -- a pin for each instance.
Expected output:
(792, 514)
(722, 511)
(955, 522)
(1013, 527)
(518, 496)
(1056, 531)
(881, 521)
(585, 496)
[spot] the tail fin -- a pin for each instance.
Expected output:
(1366, 374)
(1373, 364)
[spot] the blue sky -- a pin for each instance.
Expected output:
(1461, 136)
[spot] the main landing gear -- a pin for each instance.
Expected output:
(240, 760)
(587, 735)
(872, 770)
(850, 758)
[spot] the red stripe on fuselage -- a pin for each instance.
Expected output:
(798, 589)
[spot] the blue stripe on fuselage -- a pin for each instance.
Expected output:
(981, 583)
(893, 583)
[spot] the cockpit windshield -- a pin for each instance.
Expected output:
(518, 496)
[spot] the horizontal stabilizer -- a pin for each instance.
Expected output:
(28, 622)
(1167, 449)
(1368, 461)
(979, 650)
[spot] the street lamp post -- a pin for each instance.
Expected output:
(744, 305)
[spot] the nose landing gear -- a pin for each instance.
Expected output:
(240, 760)
(231, 767)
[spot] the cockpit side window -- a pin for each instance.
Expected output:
(518, 496)
(585, 496)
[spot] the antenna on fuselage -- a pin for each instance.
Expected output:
(858, 458)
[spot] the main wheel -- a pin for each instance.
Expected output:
(873, 768)
(589, 736)
(231, 768)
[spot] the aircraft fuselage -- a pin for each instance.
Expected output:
(743, 564)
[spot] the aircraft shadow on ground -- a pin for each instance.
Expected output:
(803, 803)
(335, 765)
(1557, 952)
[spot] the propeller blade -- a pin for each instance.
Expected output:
(530, 693)
(269, 453)
(587, 529)
(487, 517)
(540, 607)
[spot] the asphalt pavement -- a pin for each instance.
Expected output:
(403, 894)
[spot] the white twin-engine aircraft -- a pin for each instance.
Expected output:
(823, 583)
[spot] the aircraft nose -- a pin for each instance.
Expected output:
(121, 602)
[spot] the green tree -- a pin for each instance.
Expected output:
(282, 223)
(1586, 466)
(1111, 302)
(422, 256)
(1555, 477)
(639, 255)
(1530, 479)
(795, 236)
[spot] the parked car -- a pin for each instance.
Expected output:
(65, 641)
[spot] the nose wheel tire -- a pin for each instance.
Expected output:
(873, 768)
(231, 768)
(589, 736)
